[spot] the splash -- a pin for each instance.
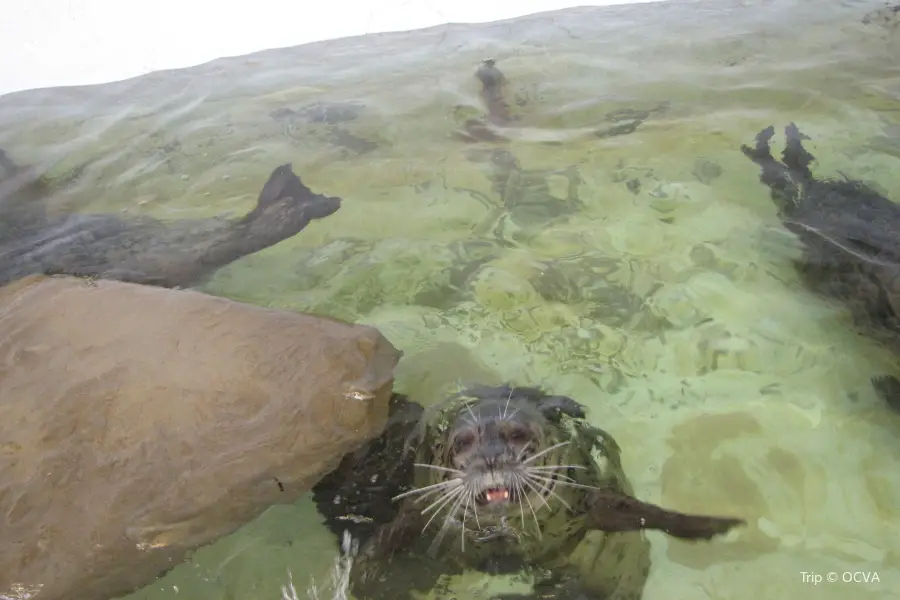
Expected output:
(339, 588)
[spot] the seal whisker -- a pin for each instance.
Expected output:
(547, 472)
(430, 489)
(462, 530)
(442, 501)
(556, 467)
(475, 508)
(454, 509)
(444, 498)
(522, 452)
(426, 495)
(534, 488)
(517, 487)
(552, 469)
(556, 477)
(443, 530)
(569, 483)
(545, 451)
(472, 413)
(545, 484)
(506, 408)
(537, 524)
(470, 500)
(543, 478)
(456, 472)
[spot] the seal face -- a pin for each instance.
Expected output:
(491, 448)
(493, 467)
(501, 480)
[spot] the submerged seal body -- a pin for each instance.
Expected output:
(500, 480)
(143, 249)
(493, 82)
(851, 238)
(493, 95)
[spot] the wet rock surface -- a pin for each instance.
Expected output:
(127, 441)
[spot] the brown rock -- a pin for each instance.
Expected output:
(138, 423)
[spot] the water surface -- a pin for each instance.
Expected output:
(640, 266)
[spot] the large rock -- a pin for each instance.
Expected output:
(138, 423)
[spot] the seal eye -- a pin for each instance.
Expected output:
(517, 435)
(463, 441)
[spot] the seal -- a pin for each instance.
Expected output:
(501, 480)
(143, 249)
(849, 234)
(493, 95)
(493, 83)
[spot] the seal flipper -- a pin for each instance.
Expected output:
(774, 174)
(794, 155)
(554, 407)
(279, 185)
(284, 183)
(613, 511)
(761, 154)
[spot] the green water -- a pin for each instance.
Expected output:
(669, 306)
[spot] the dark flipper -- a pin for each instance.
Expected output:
(284, 183)
(774, 174)
(553, 407)
(614, 511)
(794, 155)
(281, 183)
(761, 153)
(888, 389)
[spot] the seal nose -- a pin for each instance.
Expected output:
(493, 451)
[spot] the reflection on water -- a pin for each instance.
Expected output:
(617, 247)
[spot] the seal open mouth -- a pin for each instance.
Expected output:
(494, 495)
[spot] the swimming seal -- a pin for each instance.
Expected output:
(493, 82)
(501, 480)
(142, 249)
(849, 232)
(493, 95)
